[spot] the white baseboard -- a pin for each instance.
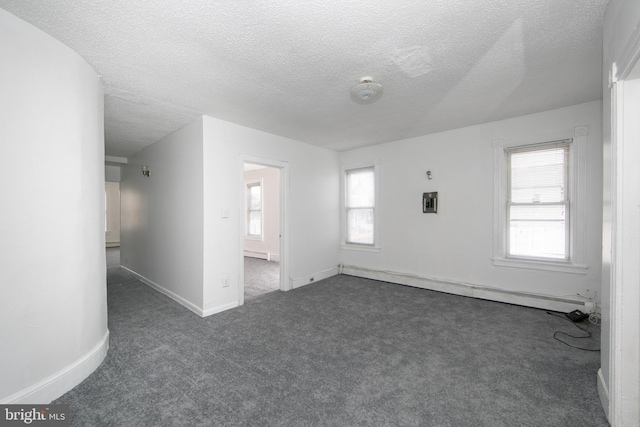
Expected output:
(262, 255)
(547, 302)
(603, 392)
(219, 309)
(54, 386)
(312, 278)
(177, 298)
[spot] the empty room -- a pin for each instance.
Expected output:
(413, 213)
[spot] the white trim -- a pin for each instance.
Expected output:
(547, 302)
(312, 278)
(177, 298)
(283, 256)
(603, 392)
(54, 386)
(624, 339)
(577, 197)
(362, 248)
(559, 266)
(219, 309)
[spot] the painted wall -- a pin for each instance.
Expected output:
(456, 245)
(161, 215)
(53, 311)
(267, 247)
(622, 21)
(313, 211)
(112, 214)
(112, 173)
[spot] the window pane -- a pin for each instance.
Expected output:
(255, 223)
(360, 226)
(538, 176)
(255, 197)
(360, 188)
(538, 231)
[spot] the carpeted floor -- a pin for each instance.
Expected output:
(341, 352)
(260, 277)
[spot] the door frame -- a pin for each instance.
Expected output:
(624, 319)
(285, 284)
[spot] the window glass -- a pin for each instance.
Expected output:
(360, 188)
(537, 202)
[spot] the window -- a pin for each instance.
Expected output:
(360, 206)
(254, 209)
(538, 205)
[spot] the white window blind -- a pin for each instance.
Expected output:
(360, 205)
(538, 201)
(254, 210)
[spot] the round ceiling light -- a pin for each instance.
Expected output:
(366, 91)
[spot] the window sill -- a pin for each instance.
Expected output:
(256, 238)
(362, 248)
(558, 266)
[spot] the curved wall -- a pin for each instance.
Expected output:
(53, 314)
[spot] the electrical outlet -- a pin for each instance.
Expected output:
(225, 281)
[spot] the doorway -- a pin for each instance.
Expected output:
(261, 230)
(112, 214)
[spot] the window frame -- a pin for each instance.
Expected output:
(375, 246)
(566, 203)
(248, 210)
(575, 197)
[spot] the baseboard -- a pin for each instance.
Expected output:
(54, 386)
(177, 298)
(219, 309)
(312, 278)
(547, 302)
(263, 255)
(603, 392)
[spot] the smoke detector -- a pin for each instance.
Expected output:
(366, 92)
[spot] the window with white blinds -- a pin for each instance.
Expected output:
(538, 205)
(254, 209)
(360, 206)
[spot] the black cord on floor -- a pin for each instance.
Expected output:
(555, 334)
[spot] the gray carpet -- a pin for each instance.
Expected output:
(260, 277)
(341, 352)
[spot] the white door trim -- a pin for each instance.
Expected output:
(624, 348)
(285, 283)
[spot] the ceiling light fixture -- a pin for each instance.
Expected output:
(366, 92)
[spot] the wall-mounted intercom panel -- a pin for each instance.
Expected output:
(430, 202)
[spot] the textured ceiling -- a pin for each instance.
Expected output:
(286, 67)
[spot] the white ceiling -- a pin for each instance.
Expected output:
(286, 67)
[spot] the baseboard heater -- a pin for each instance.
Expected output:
(547, 302)
(261, 255)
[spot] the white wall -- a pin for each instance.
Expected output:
(112, 213)
(53, 312)
(268, 246)
(161, 215)
(621, 31)
(456, 244)
(313, 212)
(112, 173)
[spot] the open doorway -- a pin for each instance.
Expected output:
(261, 233)
(112, 214)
